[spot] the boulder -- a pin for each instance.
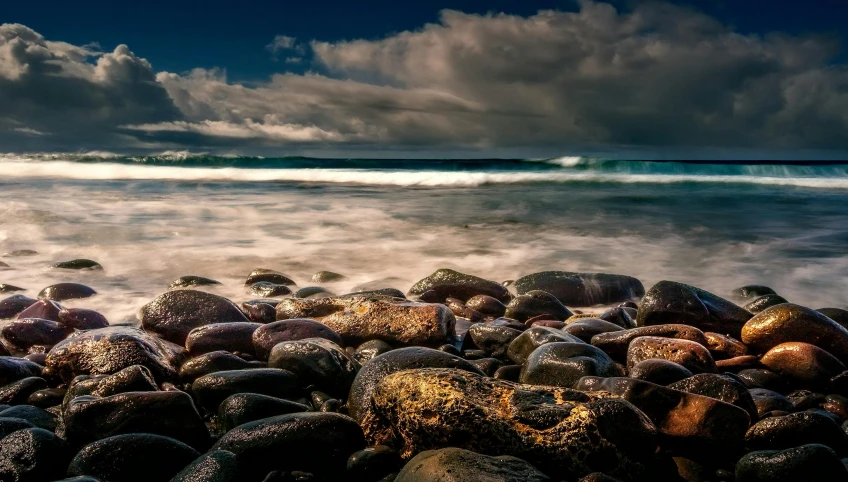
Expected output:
(582, 289)
(11, 306)
(721, 387)
(788, 322)
(763, 302)
(317, 362)
(802, 428)
(493, 339)
(670, 302)
(173, 315)
(217, 361)
(659, 371)
(269, 276)
(586, 328)
(79, 264)
(803, 365)
(27, 332)
(724, 347)
(536, 303)
(13, 369)
(447, 283)
(44, 309)
(18, 393)
(487, 305)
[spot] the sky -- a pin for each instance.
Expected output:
(452, 76)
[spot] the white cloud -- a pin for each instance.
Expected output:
(281, 42)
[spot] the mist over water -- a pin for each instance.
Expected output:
(147, 230)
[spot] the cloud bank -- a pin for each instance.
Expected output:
(659, 75)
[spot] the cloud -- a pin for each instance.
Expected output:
(281, 42)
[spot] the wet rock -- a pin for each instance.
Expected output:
(265, 289)
(82, 319)
(458, 465)
(558, 430)
(46, 398)
(788, 322)
(769, 401)
(619, 316)
(661, 372)
(810, 463)
(510, 373)
(385, 294)
(4, 288)
(132, 379)
(217, 361)
(752, 291)
(837, 405)
(494, 340)
(838, 315)
(739, 363)
(268, 276)
(11, 306)
(233, 337)
(33, 454)
(191, 282)
(318, 362)
(447, 283)
(762, 378)
(171, 414)
(779, 433)
(13, 369)
(670, 302)
(369, 350)
(691, 355)
(134, 457)
(615, 344)
(721, 387)
(532, 338)
(314, 293)
(243, 408)
(587, 328)
(44, 309)
(66, 291)
(260, 312)
(24, 333)
(210, 390)
(582, 289)
(459, 309)
(79, 264)
(174, 314)
(9, 425)
(215, 466)
(18, 393)
(371, 373)
(488, 305)
(266, 337)
(488, 366)
(724, 347)
(358, 320)
(803, 365)
(562, 364)
(327, 277)
(373, 463)
(317, 443)
(34, 415)
(536, 303)
(763, 302)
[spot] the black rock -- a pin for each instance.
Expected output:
(670, 302)
(314, 292)
(266, 337)
(619, 316)
(18, 393)
(215, 466)
(838, 315)
(13, 305)
(769, 401)
(33, 454)
(46, 398)
(582, 289)
(586, 328)
(192, 281)
(447, 283)
(211, 390)
(327, 277)
(752, 291)
(134, 457)
(266, 289)
(370, 349)
(535, 303)
(721, 387)
(9, 425)
(459, 465)
(373, 463)
(763, 302)
(509, 372)
(492, 339)
(4, 288)
(79, 264)
(659, 371)
(779, 433)
(531, 339)
(27, 332)
(136, 378)
(318, 362)
(563, 364)
(260, 312)
(487, 305)
(232, 337)
(218, 361)
(810, 463)
(269, 276)
(762, 378)
(34, 415)
(489, 366)
(66, 291)
(173, 315)
(384, 293)
(82, 319)
(242, 408)
(13, 369)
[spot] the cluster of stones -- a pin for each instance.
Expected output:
(460, 379)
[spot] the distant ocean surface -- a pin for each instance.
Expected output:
(149, 220)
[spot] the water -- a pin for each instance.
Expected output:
(150, 220)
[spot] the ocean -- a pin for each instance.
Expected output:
(150, 220)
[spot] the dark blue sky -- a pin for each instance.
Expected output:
(178, 35)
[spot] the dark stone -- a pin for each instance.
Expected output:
(33, 454)
(536, 303)
(724, 347)
(34, 415)
(810, 463)
(586, 328)
(266, 337)
(762, 378)
(492, 339)
(313, 292)
(82, 319)
(616, 343)
(265, 289)
(752, 291)
(46, 398)
(458, 465)
(582, 289)
(473, 355)
(11, 306)
(769, 401)
(132, 379)
(318, 443)
(215, 466)
(24, 333)
(13, 369)
(316, 361)
(191, 282)
(670, 302)
(525, 344)
(137, 457)
(763, 302)
(268, 276)
(233, 337)
(563, 364)
(211, 390)
(373, 463)
(66, 291)
(450, 349)
(174, 314)
(619, 316)
(721, 387)
(44, 309)
(510, 373)
(803, 365)
(459, 309)
(779, 433)
(242, 408)
(694, 356)
(793, 323)
(218, 361)
(840, 316)
(385, 293)
(661, 372)
(39, 358)
(327, 277)
(447, 283)
(79, 264)
(486, 305)
(4, 288)
(488, 365)
(370, 349)
(259, 311)
(9, 425)
(17, 393)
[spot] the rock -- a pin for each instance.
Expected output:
(762, 378)
(803, 365)
(79, 264)
(385, 294)
(562, 364)
(137, 457)
(217, 361)
(488, 305)
(233, 337)
(243, 408)
(327, 277)
(536, 303)
(489, 366)
(373, 463)
(531, 339)
(34, 415)
(447, 283)
(260, 312)
(661, 372)
(810, 463)
(459, 310)
(689, 425)
(44, 309)
(803, 428)
(318, 362)
(33, 454)
(619, 316)
(109, 350)
(587, 328)
(458, 465)
(838, 315)
(689, 354)
(171, 414)
(559, 430)
(359, 399)
(18, 393)
(211, 390)
(616, 344)
(46, 398)
(670, 302)
(752, 291)
(13, 369)
(494, 340)
(837, 405)
(358, 320)
(724, 347)
(317, 443)
(269, 276)
(769, 401)
(721, 387)
(174, 314)
(215, 466)
(132, 379)
(191, 282)
(763, 302)
(4, 288)
(9, 425)
(266, 337)
(369, 350)
(66, 291)
(24, 333)
(314, 292)
(739, 363)
(582, 289)
(82, 319)
(265, 289)
(11, 306)
(788, 322)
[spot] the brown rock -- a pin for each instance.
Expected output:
(803, 365)
(789, 322)
(689, 354)
(739, 363)
(617, 343)
(670, 302)
(586, 328)
(723, 347)
(232, 337)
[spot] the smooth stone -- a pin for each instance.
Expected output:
(173, 315)
(317, 443)
(266, 337)
(532, 338)
(671, 302)
(803, 428)
(5, 288)
(265, 289)
(447, 283)
(314, 292)
(82, 319)
(9, 425)
(836, 314)
(34, 415)
(11, 306)
(137, 457)
(260, 312)
(763, 302)
(803, 365)
(217, 361)
(358, 320)
(369, 350)
(318, 362)
(536, 303)
(66, 291)
(789, 322)
(44, 309)
(459, 310)
(763, 378)
(804, 399)
(563, 364)
(739, 363)
(210, 390)
(587, 328)
(243, 408)
(109, 350)
(724, 347)
(327, 277)
(559, 430)
(215, 466)
(24, 333)
(494, 340)
(616, 343)
(837, 405)
(79, 264)
(33, 455)
(619, 316)
(233, 337)
(359, 399)
(810, 463)
(13, 369)
(721, 387)
(488, 305)
(489, 366)
(384, 293)
(191, 282)
(17, 393)
(269, 276)
(458, 465)
(694, 356)
(582, 289)
(46, 398)
(752, 291)
(769, 401)
(510, 373)
(661, 372)
(373, 463)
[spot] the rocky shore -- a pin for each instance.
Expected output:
(555, 376)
